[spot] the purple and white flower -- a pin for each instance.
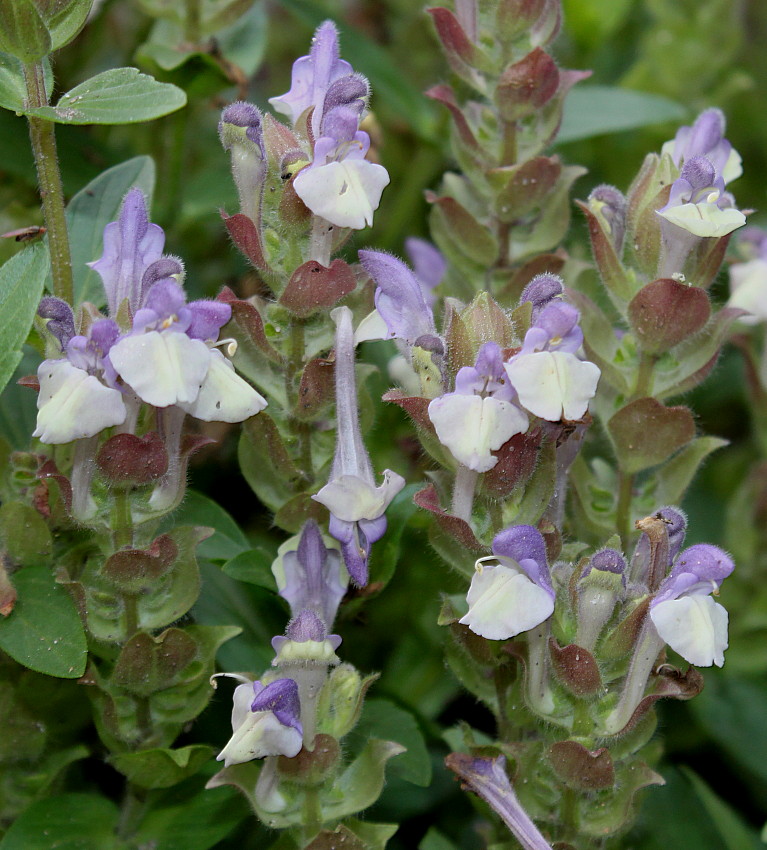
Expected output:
(550, 380)
(515, 594)
(357, 506)
(132, 259)
(339, 185)
(168, 358)
(481, 414)
(706, 138)
(748, 280)
(79, 396)
(265, 722)
(683, 612)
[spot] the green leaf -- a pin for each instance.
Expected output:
(21, 284)
(600, 110)
(383, 719)
(178, 821)
(735, 834)
(117, 96)
(24, 536)
(68, 822)
(44, 631)
(161, 768)
(22, 31)
(13, 90)
(89, 212)
(386, 554)
(65, 20)
(674, 477)
(228, 540)
(254, 567)
(435, 840)
(732, 711)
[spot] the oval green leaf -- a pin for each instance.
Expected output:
(44, 631)
(117, 96)
(21, 284)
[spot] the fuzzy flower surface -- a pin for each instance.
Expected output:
(515, 594)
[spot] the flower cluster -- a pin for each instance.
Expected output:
(698, 205)
(340, 185)
(166, 358)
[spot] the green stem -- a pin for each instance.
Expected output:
(509, 143)
(645, 375)
(312, 813)
(623, 509)
(302, 431)
(42, 134)
(122, 521)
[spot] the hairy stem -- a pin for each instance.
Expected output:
(42, 134)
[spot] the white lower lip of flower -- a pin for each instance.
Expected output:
(694, 626)
(261, 734)
(504, 602)
(162, 368)
(224, 396)
(471, 427)
(73, 405)
(704, 219)
(554, 384)
(344, 193)
(350, 498)
(748, 284)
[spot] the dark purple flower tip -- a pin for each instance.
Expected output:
(706, 562)
(208, 317)
(613, 207)
(165, 267)
(241, 114)
(306, 626)
(541, 289)
(62, 320)
(607, 560)
(521, 543)
(281, 698)
(311, 548)
(349, 91)
(430, 342)
(399, 297)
